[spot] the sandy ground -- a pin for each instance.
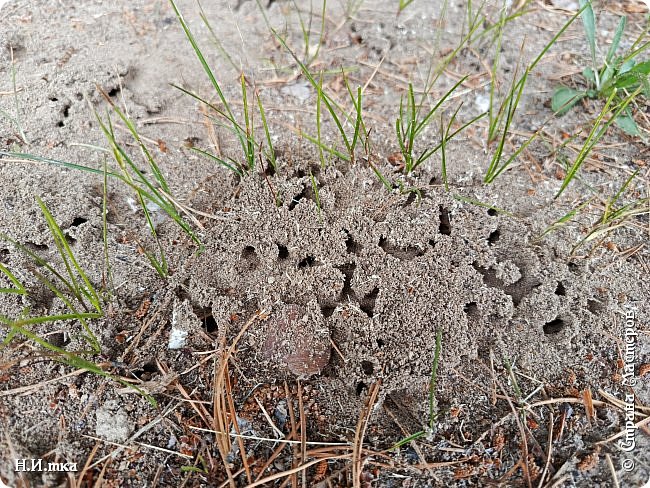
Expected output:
(310, 315)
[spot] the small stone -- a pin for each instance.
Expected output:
(297, 341)
(113, 423)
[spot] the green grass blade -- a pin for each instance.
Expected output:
(18, 288)
(70, 261)
(55, 162)
(314, 187)
(611, 52)
(329, 103)
(434, 379)
(319, 103)
(596, 134)
(248, 122)
(589, 24)
(213, 80)
(406, 440)
(426, 155)
(267, 133)
(64, 356)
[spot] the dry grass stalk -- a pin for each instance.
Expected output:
(223, 406)
(362, 424)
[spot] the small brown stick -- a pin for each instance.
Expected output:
(589, 405)
(79, 480)
(235, 423)
(548, 452)
(638, 425)
(266, 177)
(360, 433)
(303, 434)
(220, 407)
(610, 464)
(522, 431)
(212, 134)
(295, 470)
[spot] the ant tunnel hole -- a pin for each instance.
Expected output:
(327, 310)
(554, 326)
(494, 237)
(283, 252)
(4, 256)
(294, 201)
(78, 221)
(66, 110)
(445, 226)
(492, 212)
(57, 339)
(37, 247)
(367, 304)
(207, 319)
(560, 290)
(411, 198)
(348, 273)
(146, 372)
(308, 262)
(360, 387)
(367, 367)
(351, 246)
(471, 309)
(113, 91)
(594, 306)
(269, 169)
(248, 252)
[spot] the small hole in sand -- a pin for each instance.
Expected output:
(367, 304)
(595, 306)
(351, 246)
(554, 326)
(367, 367)
(308, 262)
(327, 309)
(380, 343)
(560, 290)
(411, 198)
(269, 169)
(248, 254)
(471, 309)
(206, 317)
(492, 212)
(78, 221)
(146, 372)
(283, 252)
(445, 225)
(360, 387)
(494, 237)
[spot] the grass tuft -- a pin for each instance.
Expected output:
(618, 74)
